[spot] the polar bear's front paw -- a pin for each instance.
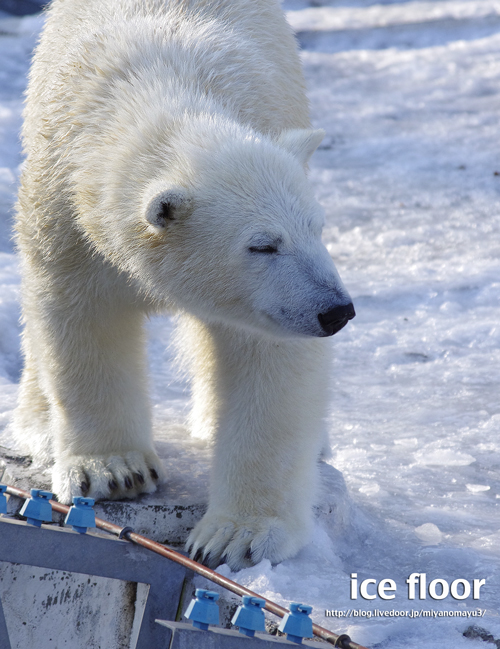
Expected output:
(243, 542)
(107, 477)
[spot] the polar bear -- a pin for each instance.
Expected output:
(166, 147)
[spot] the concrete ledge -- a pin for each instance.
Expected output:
(163, 517)
(168, 515)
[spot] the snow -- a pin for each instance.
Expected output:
(409, 176)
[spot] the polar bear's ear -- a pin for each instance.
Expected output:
(301, 143)
(166, 206)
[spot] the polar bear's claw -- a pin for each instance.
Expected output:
(107, 477)
(242, 543)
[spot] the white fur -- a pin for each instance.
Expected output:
(166, 149)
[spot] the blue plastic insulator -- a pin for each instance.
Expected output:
(81, 516)
(297, 624)
(203, 609)
(38, 509)
(249, 617)
(3, 499)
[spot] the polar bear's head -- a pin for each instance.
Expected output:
(241, 235)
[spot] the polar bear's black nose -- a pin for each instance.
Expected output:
(333, 320)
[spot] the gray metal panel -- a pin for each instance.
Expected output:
(185, 636)
(59, 548)
(4, 636)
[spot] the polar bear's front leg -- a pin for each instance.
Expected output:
(265, 400)
(90, 366)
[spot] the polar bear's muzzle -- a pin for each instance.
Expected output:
(334, 320)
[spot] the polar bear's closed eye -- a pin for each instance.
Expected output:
(269, 249)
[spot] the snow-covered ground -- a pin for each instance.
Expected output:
(409, 175)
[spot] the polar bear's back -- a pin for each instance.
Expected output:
(240, 51)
